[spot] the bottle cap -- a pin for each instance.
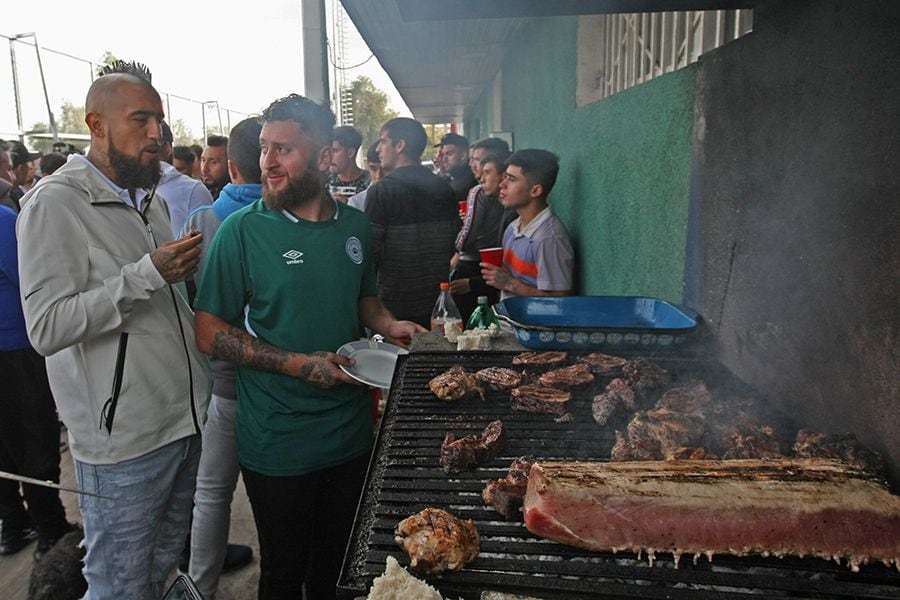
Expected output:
(445, 286)
(482, 299)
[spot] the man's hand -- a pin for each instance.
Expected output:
(322, 370)
(177, 260)
(497, 277)
(400, 333)
(454, 261)
(460, 286)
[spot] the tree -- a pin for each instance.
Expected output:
(183, 134)
(72, 119)
(370, 110)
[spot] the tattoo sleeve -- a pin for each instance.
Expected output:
(238, 347)
(319, 371)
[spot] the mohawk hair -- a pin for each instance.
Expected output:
(130, 67)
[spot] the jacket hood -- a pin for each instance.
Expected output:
(84, 177)
(421, 178)
(235, 197)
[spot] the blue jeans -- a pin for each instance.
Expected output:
(134, 539)
(216, 479)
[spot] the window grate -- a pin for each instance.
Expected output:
(619, 51)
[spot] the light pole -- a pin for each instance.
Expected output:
(15, 74)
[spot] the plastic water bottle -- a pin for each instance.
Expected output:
(445, 310)
(483, 316)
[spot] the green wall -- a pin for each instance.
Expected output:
(624, 162)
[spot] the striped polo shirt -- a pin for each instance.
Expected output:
(540, 254)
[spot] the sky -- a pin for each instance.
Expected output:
(201, 51)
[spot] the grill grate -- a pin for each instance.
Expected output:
(405, 476)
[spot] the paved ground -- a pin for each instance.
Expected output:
(240, 585)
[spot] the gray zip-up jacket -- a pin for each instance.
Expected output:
(96, 306)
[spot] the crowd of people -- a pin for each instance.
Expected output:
(178, 310)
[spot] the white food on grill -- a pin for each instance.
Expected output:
(474, 339)
(397, 584)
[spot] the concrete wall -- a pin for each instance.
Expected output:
(624, 162)
(794, 256)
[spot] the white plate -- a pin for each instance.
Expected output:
(374, 361)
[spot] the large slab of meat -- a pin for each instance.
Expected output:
(799, 507)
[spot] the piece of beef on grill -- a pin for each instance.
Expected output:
(456, 384)
(644, 376)
(811, 444)
(573, 377)
(458, 455)
(801, 507)
(604, 365)
(500, 379)
(643, 449)
(617, 398)
(539, 361)
(692, 397)
(690, 454)
(506, 494)
(437, 541)
(760, 442)
(540, 399)
(672, 429)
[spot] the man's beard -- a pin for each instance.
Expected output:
(298, 191)
(130, 173)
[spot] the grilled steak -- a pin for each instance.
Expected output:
(690, 454)
(643, 449)
(672, 429)
(458, 455)
(456, 384)
(691, 397)
(803, 507)
(437, 541)
(540, 399)
(604, 365)
(540, 360)
(500, 378)
(759, 442)
(617, 398)
(846, 447)
(566, 378)
(506, 495)
(644, 376)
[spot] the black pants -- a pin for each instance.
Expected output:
(304, 523)
(29, 443)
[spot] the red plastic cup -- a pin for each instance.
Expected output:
(492, 255)
(463, 209)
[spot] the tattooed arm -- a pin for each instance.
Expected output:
(218, 339)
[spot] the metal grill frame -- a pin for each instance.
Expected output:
(405, 476)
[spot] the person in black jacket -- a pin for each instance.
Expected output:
(415, 219)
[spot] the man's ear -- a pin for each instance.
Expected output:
(233, 171)
(536, 191)
(95, 124)
(401, 146)
(325, 155)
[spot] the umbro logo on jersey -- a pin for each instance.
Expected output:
(293, 257)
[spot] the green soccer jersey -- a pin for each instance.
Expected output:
(295, 284)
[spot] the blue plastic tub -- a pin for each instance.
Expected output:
(597, 322)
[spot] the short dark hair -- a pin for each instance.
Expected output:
(184, 153)
(166, 133)
(498, 158)
(372, 154)
(538, 166)
(216, 141)
(51, 162)
(197, 149)
(347, 136)
(316, 120)
(243, 149)
(410, 131)
(492, 144)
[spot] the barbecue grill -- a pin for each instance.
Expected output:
(405, 476)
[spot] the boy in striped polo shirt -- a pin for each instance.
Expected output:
(537, 253)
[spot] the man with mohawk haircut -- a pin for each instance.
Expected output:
(102, 292)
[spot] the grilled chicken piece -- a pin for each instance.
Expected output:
(506, 495)
(846, 447)
(573, 377)
(643, 449)
(500, 378)
(618, 397)
(604, 365)
(437, 541)
(456, 384)
(540, 360)
(458, 455)
(540, 399)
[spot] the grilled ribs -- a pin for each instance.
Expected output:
(500, 379)
(604, 365)
(618, 397)
(540, 399)
(456, 384)
(506, 495)
(437, 541)
(458, 455)
(568, 378)
(803, 507)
